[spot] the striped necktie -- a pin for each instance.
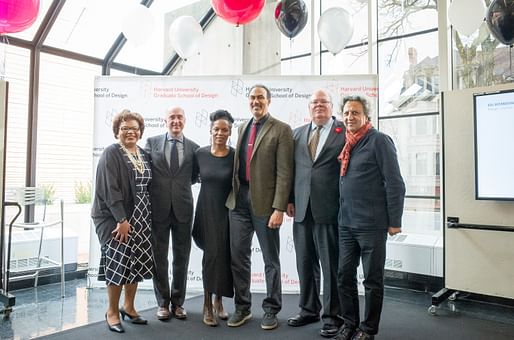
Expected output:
(314, 141)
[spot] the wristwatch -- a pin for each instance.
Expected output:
(122, 220)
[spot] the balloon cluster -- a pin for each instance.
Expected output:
(17, 15)
(335, 26)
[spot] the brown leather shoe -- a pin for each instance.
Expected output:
(163, 313)
(179, 312)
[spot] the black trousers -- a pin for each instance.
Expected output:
(369, 245)
(243, 224)
(317, 244)
(181, 249)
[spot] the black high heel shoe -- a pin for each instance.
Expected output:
(118, 328)
(135, 319)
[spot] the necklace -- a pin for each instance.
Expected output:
(135, 159)
(220, 152)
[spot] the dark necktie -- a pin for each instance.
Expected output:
(249, 150)
(174, 156)
(314, 141)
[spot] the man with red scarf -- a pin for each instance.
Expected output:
(372, 192)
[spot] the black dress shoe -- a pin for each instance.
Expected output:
(345, 334)
(329, 330)
(135, 319)
(118, 328)
(302, 320)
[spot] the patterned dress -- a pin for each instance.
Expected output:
(131, 262)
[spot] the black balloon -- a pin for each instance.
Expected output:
(291, 17)
(500, 20)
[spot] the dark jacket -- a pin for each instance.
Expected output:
(271, 167)
(115, 193)
(317, 182)
(372, 191)
(172, 191)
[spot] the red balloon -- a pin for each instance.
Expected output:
(17, 15)
(238, 12)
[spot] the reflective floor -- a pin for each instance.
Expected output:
(40, 311)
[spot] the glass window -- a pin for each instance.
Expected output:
(396, 18)
(421, 164)
(16, 66)
(416, 152)
(297, 66)
(480, 60)
(409, 75)
(65, 123)
(157, 51)
(65, 138)
(89, 27)
(422, 216)
(348, 61)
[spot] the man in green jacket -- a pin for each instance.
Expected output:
(263, 172)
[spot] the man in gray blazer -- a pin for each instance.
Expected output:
(263, 171)
(314, 206)
(173, 173)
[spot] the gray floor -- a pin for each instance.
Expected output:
(41, 311)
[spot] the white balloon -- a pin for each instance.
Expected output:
(186, 36)
(137, 25)
(335, 29)
(466, 16)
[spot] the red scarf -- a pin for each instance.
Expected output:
(351, 140)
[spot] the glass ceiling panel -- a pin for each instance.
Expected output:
(155, 53)
(29, 33)
(88, 27)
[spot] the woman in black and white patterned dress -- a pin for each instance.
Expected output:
(122, 216)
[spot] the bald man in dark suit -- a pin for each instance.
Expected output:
(174, 171)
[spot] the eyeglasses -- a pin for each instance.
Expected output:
(129, 128)
(319, 102)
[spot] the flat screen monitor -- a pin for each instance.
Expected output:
(494, 145)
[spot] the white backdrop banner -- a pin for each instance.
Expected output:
(198, 96)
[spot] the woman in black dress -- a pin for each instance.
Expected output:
(121, 214)
(210, 229)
